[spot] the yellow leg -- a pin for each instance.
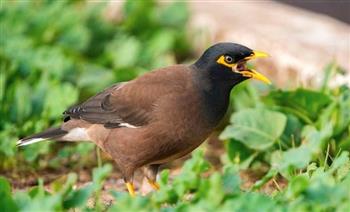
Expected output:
(154, 184)
(131, 189)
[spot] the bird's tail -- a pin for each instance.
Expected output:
(52, 133)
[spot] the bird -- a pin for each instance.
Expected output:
(160, 116)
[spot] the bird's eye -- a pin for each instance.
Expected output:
(228, 59)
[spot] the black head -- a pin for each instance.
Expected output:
(224, 63)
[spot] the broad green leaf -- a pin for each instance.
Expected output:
(211, 191)
(237, 151)
(296, 157)
(297, 185)
(7, 204)
(161, 43)
(190, 175)
(87, 81)
(79, 197)
(289, 161)
(59, 98)
(32, 152)
(231, 180)
(342, 161)
(7, 141)
(323, 192)
(164, 177)
(304, 101)
(76, 38)
(100, 173)
(20, 108)
(256, 128)
(124, 51)
(251, 201)
(315, 140)
(52, 61)
(127, 203)
(292, 133)
(244, 96)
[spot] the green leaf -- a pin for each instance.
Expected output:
(237, 151)
(256, 128)
(287, 162)
(297, 185)
(211, 190)
(124, 51)
(342, 120)
(21, 108)
(79, 197)
(59, 98)
(306, 102)
(292, 133)
(231, 180)
(88, 81)
(164, 177)
(6, 201)
(267, 177)
(99, 174)
(342, 161)
(247, 95)
(190, 175)
(296, 157)
(32, 152)
(315, 139)
(7, 142)
(251, 201)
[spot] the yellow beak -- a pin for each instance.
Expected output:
(253, 73)
(257, 54)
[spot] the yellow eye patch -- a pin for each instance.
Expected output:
(222, 61)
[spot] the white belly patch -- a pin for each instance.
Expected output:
(77, 134)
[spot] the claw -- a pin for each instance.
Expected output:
(154, 184)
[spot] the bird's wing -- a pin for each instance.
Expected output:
(129, 104)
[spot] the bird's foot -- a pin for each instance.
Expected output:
(154, 184)
(131, 189)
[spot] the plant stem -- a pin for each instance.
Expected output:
(98, 155)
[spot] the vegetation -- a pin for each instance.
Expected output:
(70, 50)
(64, 49)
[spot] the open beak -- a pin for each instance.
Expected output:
(252, 73)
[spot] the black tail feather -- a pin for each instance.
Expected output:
(52, 133)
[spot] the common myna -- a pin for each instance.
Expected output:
(160, 116)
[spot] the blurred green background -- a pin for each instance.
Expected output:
(57, 53)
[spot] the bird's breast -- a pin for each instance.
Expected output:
(214, 106)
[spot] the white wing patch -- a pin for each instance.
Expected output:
(127, 125)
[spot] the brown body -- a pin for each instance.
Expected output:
(174, 122)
